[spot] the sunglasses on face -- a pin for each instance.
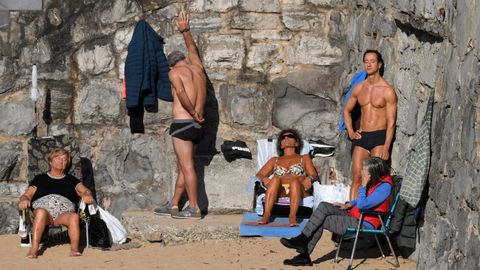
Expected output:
(291, 136)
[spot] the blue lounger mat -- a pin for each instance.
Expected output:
(278, 227)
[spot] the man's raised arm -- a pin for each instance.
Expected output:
(184, 27)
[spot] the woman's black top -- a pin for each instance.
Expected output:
(65, 186)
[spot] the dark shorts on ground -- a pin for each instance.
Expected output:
(371, 139)
(187, 130)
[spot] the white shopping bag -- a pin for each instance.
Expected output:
(116, 229)
(338, 193)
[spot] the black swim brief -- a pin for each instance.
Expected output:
(187, 130)
(371, 139)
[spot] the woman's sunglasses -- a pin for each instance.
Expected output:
(291, 136)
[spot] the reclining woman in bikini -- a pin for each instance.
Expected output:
(289, 168)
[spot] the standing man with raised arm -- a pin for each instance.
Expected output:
(189, 84)
(378, 103)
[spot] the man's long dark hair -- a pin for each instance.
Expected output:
(377, 168)
(295, 133)
(379, 59)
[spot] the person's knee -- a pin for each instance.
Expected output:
(74, 220)
(40, 213)
(273, 184)
(323, 206)
(275, 180)
(296, 183)
(180, 185)
(186, 168)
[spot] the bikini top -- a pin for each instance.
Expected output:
(295, 169)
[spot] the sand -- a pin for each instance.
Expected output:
(241, 253)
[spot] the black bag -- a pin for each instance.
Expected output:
(98, 233)
(235, 149)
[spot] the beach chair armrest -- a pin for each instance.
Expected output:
(371, 212)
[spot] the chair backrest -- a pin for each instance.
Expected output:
(39, 148)
(267, 148)
(392, 210)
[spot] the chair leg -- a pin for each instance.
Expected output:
(86, 232)
(338, 250)
(379, 246)
(355, 242)
(397, 264)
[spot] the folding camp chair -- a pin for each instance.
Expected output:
(385, 228)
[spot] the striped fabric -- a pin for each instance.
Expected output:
(146, 69)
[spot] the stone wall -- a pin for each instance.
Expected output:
(271, 64)
(432, 46)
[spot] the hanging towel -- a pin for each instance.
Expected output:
(418, 160)
(357, 78)
(34, 94)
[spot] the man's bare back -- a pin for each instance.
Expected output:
(193, 80)
(188, 76)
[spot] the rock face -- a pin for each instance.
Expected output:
(432, 46)
(271, 65)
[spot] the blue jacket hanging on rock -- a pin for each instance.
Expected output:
(357, 78)
(146, 74)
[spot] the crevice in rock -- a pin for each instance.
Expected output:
(421, 35)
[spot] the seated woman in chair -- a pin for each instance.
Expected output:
(374, 194)
(289, 168)
(54, 196)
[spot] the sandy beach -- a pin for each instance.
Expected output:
(241, 253)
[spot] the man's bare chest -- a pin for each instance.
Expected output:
(372, 96)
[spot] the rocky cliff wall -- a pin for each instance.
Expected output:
(432, 46)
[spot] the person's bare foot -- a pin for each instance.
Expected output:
(32, 253)
(264, 220)
(74, 253)
(293, 222)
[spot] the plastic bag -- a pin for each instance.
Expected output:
(117, 231)
(22, 228)
(337, 193)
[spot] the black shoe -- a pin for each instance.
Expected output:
(25, 242)
(302, 259)
(299, 243)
